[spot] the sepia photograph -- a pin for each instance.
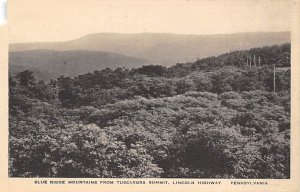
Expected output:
(149, 89)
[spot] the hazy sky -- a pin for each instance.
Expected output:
(59, 20)
(2, 11)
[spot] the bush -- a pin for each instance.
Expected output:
(79, 151)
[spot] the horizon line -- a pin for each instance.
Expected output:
(153, 33)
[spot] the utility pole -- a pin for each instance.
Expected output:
(64, 68)
(57, 87)
(274, 79)
(56, 91)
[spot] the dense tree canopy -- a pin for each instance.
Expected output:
(215, 118)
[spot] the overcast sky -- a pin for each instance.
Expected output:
(59, 20)
(2, 12)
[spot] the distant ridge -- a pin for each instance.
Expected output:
(51, 63)
(163, 48)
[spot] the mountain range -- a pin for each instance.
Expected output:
(101, 50)
(72, 62)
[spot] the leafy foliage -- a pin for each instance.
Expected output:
(223, 121)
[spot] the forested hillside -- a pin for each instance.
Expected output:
(49, 63)
(160, 48)
(218, 117)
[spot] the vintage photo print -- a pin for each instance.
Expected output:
(151, 93)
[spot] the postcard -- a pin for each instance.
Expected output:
(150, 95)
